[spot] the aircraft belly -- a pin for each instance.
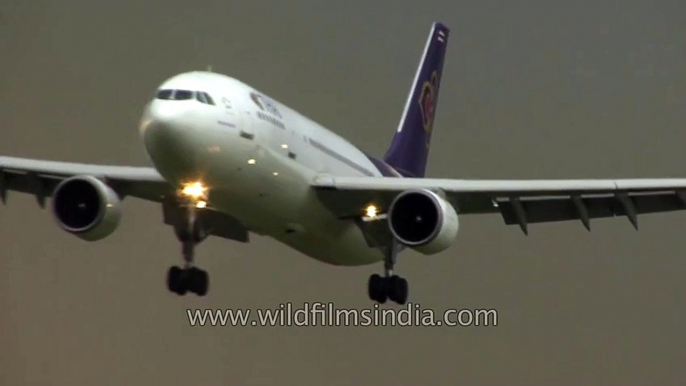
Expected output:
(270, 195)
(344, 246)
(283, 206)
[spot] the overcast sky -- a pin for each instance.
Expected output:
(556, 89)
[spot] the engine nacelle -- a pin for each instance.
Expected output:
(423, 221)
(86, 207)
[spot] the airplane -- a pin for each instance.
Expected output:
(230, 161)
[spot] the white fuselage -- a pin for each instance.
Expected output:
(258, 158)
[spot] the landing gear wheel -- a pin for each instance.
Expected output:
(376, 287)
(205, 283)
(176, 280)
(394, 288)
(181, 281)
(398, 289)
(389, 286)
(198, 281)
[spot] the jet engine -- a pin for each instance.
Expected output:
(86, 207)
(423, 221)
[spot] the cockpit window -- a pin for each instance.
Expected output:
(180, 95)
(209, 99)
(164, 94)
(204, 97)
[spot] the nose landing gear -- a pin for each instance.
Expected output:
(190, 232)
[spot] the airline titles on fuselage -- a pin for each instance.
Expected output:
(268, 111)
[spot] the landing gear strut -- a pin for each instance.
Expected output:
(181, 280)
(389, 286)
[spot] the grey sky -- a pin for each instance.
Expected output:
(531, 89)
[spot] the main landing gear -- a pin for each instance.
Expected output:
(389, 286)
(188, 278)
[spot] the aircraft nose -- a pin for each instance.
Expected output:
(161, 115)
(163, 125)
(168, 134)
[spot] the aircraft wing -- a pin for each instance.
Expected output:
(520, 202)
(40, 177)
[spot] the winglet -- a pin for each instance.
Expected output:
(410, 147)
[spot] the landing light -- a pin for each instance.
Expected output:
(252, 161)
(276, 173)
(201, 204)
(284, 146)
(194, 190)
(371, 211)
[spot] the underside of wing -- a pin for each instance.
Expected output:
(40, 178)
(520, 202)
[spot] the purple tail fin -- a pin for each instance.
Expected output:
(410, 147)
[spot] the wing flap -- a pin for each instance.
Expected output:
(520, 202)
(501, 187)
(26, 182)
(564, 208)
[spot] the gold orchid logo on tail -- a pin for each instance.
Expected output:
(427, 104)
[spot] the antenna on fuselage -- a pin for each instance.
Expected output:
(209, 68)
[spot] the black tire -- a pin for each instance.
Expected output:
(172, 278)
(192, 279)
(374, 286)
(383, 293)
(377, 288)
(400, 290)
(201, 281)
(175, 280)
(392, 283)
(183, 282)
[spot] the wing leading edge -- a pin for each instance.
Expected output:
(520, 202)
(40, 177)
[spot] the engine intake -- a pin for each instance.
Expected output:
(86, 207)
(422, 220)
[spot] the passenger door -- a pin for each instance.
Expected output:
(236, 116)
